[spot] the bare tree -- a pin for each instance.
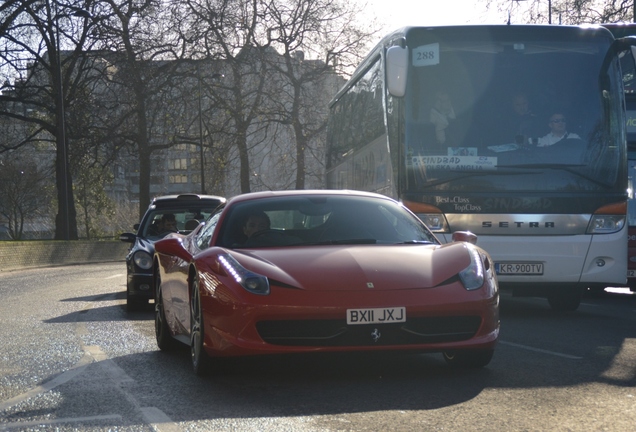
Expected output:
(148, 53)
(96, 208)
(567, 11)
(316, 39)
(227, 30)
(249, 37)
(197, 119)
(22, 184)
(42, 49)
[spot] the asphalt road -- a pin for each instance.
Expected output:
(73, 359)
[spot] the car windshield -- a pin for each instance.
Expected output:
(320, 220)
(160, 222)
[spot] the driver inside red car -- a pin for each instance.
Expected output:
(256, 222)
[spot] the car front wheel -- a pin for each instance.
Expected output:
(200, 359)
(469, 358)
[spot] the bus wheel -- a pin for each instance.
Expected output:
(565, 300)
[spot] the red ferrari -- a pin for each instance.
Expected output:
(311, 271)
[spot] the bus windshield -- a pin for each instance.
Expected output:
(511, 112)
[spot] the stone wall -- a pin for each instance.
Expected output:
(18, 255)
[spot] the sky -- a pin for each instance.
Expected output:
(399, 13)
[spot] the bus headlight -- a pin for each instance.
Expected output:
(605, 224)
(432, 216)
(436, 222)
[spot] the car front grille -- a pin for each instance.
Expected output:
(334, 333)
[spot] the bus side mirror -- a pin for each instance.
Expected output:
(397, 61)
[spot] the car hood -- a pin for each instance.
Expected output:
(356, 267)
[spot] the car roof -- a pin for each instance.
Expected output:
(304, 192)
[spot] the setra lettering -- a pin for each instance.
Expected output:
(506, 224)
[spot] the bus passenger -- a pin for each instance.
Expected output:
(519, 124)
(442, 114)
(526, 121)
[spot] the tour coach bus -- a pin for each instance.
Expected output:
(629, 85)
(515, 133)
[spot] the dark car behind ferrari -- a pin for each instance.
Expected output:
(189, 210)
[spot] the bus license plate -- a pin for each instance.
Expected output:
(376, 315)
(512, 268)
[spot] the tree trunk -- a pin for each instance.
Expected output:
(301, 144)
(244, 160)
(66, 218)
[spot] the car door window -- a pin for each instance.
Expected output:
(204, 237)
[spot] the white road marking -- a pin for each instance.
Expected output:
(554, 353)
(156, 418)
(22, 425)
(49, 385)
(159, 421)
(116, 374)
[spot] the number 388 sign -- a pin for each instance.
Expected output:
(426, 55)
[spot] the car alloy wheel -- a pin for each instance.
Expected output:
(200, 359)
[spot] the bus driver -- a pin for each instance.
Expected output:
(558, 131)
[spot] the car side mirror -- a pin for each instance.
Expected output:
(465, 236)
(128, 237)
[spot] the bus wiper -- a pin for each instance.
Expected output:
(540, 165)
(562, 167)
(469, 174)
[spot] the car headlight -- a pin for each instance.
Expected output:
(142, 260)
(252, 282)
(472, 277)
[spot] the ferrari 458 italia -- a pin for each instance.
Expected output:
(323, 270)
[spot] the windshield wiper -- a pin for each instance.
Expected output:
(467, 175)
(562, 167)
(419, 242)
(540, 165)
